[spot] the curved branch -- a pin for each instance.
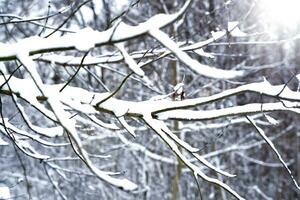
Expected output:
(37, 45)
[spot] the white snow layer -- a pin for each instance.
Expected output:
(235, 30)
(197, 67)
(4, 192)
(2, 142)
(129, 60)
(119, 32)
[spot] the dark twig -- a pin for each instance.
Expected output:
(68, 18)
(79, 67)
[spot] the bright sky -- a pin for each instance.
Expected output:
(283, 12)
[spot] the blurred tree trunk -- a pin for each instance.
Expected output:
(178, 167)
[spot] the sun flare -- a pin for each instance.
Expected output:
(283, 12)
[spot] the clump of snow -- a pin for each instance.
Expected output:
(120, 6)
(128, 185)
(201, 52)
(3, 68)
(178, 86)
(87, 14)
(218, 34)
(98, 6)
(298, 77)
(228, 2)
(129, 128)
(129, 60)
(147, 81)
(193, 64)
(178, 89)
(271, 144)
(4, 192)
(271, 120)
(85, 39)
(235, 30)
(2, 142)
(159, 97)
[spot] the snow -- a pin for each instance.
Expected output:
(103, 124)
(197, 67)
(159, 97)
(29, 95)
(270, 143)
(148, 153)
(85, 39)
(98, 6)
(89, 60)
(218, 34)
(120, 5)
(87, 13)
(66, 121)
(181, 114)
(3, 68)
(124, 184)
(298, 77)
(77, 99)
(26, 147)
(271, 120)
(234, 29)
(88, 38)
(174, 137)
(49, 132)
(228, 2)
(129, 128)
(156, 126)
(4, 192)
(80, 99)
(260, 88)
(201, 52)
(199, 45)
(27, 134)
(178, 88)
(127, 185)
(259, 191)
(72, 60)
(129, 60)
(3, 143)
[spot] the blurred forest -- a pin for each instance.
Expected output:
(40, 166)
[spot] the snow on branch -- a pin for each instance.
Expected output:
(191, 63)
(48, 132)
(156, 125)
(129, 60)
(3, 143)
(280, 92)
(9, 127)
(88, 38)
(119, 32)
(59, 105)
(226, 112)
(270, 143)
(80, 100)
(65, 120)
(91, 60)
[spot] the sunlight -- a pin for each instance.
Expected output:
(283, 12)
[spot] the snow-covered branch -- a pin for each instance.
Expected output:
(96, 114)
(80, 100)
(88, 38)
